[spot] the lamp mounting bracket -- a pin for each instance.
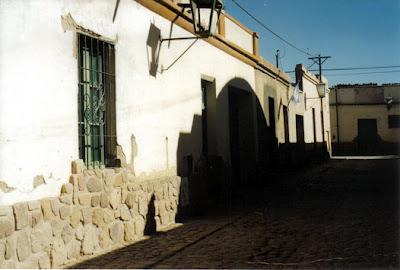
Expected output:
(181, 38)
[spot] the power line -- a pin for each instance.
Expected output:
(349, 68)
(270, 30)
(362, 73)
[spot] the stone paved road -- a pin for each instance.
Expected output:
(343, 214)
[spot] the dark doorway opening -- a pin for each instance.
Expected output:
(367, 135)
(271, 107)
(242, 137)
(300, 145)
(314, 129)
(286, 123)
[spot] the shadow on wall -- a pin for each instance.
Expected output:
(153, 47)
(150, 227)
(227, 148)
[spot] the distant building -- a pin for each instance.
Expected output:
(365, 119)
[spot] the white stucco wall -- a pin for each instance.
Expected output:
(238, 35)
(38, 88)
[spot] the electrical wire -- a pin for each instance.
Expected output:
(269, 29)
(349, 68)
(362, 73)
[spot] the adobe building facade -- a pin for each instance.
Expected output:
(298, 124)
(108, 132)
(365, 119)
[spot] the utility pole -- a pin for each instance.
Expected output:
(319, 60)
(277, 58)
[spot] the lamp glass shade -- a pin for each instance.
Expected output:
(321, 88)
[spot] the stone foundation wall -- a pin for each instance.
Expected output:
(97, 210)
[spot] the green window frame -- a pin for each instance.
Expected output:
(96, 102)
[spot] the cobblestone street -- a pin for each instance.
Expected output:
(342, 214)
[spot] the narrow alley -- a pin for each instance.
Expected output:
(341, 214)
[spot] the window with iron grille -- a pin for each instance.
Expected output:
(96, 102)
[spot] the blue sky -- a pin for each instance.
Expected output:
(356, 33)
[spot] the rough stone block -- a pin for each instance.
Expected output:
(87, 214)
(117, 231)
(74, 250)
(94, 184)
(7, 226)
(90, 241)
(170, 190)
(33, 205)
(6, 211)
(44, 260)
(23, 246)
(108, 216)
(66, 199)
(172, 215)
(158, 222)
(104, 201)
(139, 225)
(98, 217)
(161, 207)
(67, 234)
(30, 263)
(124, 193)
(115, 198)
(130, 200)
(164, 218)
(117, 213)
(21, 215)
(10, 247)
(8, 264)
(75, 198)
(129, 229)
(95, 200)
(38, 180)
(98, 173)
(67, 188)
(158, 192)
(58, 254)
(165, 190)
(135, 209)
(55, 206)
(143, 205)
(81, 182)
(77, 166)
(108, 177)
(65, 211)
(2, 250)
(156, 207)
(117, 180)
(84, 199)
(104, 238)
(79, 232)
(41, 237)
(130, 187)
(57, 226)
(125, 213)
(76, 216)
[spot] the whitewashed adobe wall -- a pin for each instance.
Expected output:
(238, 35)
(38, 89)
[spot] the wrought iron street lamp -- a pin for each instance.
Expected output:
(205, 15)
